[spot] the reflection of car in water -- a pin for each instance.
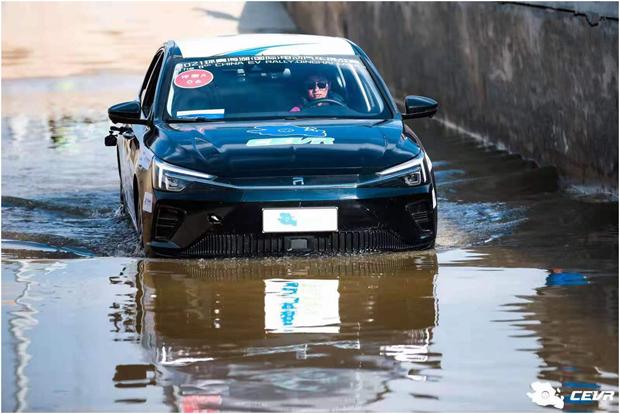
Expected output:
(274, 332)
(228, 133)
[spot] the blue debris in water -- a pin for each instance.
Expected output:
(566, 279)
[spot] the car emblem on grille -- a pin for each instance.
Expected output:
(298, 180)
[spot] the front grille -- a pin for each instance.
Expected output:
(326, 179)
(238, 245)
(167, 221)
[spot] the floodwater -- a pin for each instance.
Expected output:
(522, 287)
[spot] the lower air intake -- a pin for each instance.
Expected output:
(167, 222)
(422, 214)
(249, 245)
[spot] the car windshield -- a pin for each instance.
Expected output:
(267, 87)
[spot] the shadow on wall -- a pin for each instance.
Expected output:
(265, 17)
(257, 17)
(539, 81)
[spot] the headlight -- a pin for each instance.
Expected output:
(169, 177)
(414, 169)
(414, 178)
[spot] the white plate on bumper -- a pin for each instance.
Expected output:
(296, 220)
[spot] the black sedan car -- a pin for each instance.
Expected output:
(255, 145)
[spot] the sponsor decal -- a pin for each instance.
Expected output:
(264, 142)
(287, 219)
(193, 78)
(242, 62)
(147, 203)
(145, 159)
(290, 135)
(288, 131)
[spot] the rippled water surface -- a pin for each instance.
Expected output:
(446, 331)
(523, 286)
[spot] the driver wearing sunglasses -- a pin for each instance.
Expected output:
(316, 87)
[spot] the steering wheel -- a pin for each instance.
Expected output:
(311, 104)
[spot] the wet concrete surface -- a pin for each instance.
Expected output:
(523, 286)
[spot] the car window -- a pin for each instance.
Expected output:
(148, 93)
(147, 76)
(255, 87)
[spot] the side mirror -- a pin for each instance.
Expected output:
(126, 113)
(419, 107)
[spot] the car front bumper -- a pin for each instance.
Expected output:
(180, 226)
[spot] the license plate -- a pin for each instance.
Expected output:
(296, 220)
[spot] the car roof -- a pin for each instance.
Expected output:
(264, 44)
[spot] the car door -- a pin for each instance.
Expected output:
(131, 147)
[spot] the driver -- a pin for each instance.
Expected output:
(317, 87)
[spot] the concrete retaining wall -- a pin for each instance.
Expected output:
(537, 80)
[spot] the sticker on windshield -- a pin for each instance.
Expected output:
(203, 113)
(274, 59)
(193, 78)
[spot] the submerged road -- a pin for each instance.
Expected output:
(522, 287)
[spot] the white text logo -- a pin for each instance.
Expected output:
(591, 395)
(262, 142)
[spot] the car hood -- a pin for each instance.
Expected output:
(284, 148)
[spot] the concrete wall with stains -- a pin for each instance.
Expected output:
(537, 80)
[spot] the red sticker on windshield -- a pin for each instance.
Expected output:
(194, 78)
